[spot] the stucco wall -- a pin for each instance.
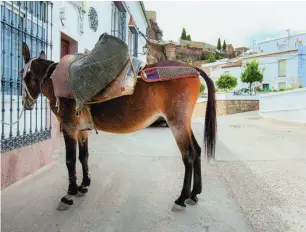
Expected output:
(272, 45)
(288, 106)
(88, 39)
(21, 162)
(271, 74)
(302, 65)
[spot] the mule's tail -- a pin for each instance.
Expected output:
(210, 130)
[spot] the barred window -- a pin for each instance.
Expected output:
(118, 21)
(32, 33)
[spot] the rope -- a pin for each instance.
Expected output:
(91, 119)
(9, 124)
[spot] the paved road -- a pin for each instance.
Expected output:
(257, 184)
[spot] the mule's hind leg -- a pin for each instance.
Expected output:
(182, 134)
(70, 144)
(197, 176)
(83, 157)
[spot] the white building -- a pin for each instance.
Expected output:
(281, 44)
(282, 68)
(79, 24)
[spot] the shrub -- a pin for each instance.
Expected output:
(202, 88)
(226, 82)
(211, 58)
(258, 89)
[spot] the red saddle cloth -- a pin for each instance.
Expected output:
(168, 73)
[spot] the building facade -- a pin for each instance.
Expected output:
(78, 25)
(281, 44)
(282, 68)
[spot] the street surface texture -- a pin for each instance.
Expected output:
(258, 183)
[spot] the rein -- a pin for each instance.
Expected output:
(13, 123)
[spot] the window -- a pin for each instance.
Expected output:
(118, 21)
(133, 42)
(282, 68)
(32, 33)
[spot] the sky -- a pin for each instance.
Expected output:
(236, 22)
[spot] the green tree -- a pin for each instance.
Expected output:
(252, 73)
(202, 88)
(219, 44)
(224, 46)
(203, 56)
(188, 37)
(183, 35)
(211, 58)
(219, 56)
(226, 82)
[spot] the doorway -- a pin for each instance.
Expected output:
(68, 45)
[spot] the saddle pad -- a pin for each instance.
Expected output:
(90, 74)
(59, 76)
(122, 85)
(168, 73)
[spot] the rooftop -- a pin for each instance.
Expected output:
(284, 37)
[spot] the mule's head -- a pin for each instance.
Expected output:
(32, 75)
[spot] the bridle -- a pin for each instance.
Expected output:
(27, 69)
(25, 87)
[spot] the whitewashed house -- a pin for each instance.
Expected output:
(283, 66)
(281, 44)
(79, 24)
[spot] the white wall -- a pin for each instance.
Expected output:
(88, 39)
(141, 23)
(281, 43)
(287, 106)
(270, 66)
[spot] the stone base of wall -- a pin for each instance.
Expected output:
(21, 162)
(225, 107)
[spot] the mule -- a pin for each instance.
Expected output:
(172, 99)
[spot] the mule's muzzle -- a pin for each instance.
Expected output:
(27, 106)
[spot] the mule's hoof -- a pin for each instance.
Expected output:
(80, 194)
(177, 208)
(81, 191)
(190, 201)
(64, 204)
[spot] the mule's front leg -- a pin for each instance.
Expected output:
(83, 157)
(70, 143)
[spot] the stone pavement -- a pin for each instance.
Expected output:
(258, 183)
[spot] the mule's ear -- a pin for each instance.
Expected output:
(42, 55)
(25, 52)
